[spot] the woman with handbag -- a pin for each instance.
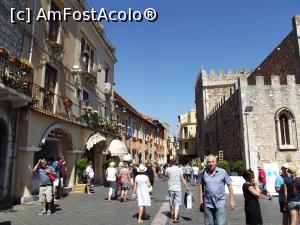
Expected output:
(141, 190)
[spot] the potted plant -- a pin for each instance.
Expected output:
(4, 52)
(80, 167)
(15, 60)
(26, 66)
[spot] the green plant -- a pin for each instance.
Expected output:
(114, 159)
(27, 63)
(80, 166)
(239, 167)
(224, 164)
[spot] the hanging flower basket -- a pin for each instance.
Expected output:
(26, 66)
(4, 52)
(14, 60)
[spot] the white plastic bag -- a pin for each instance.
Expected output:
(189, 201)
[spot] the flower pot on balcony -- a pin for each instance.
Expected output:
(26, 66)
(68, 102)
(4, 52)
(14, 60)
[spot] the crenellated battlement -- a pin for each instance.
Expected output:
(228, 75)
(289, 80)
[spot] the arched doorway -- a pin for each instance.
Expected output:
(3, 161)
(55, 142)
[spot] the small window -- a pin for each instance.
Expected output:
(185, 132)
(50, 78)
(53, 25)
(85, 96)
(106, 75)
(82, 45)
(186, 145)
(286, 130)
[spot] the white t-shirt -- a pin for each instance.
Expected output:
(173, 173)
(196, 170)
(111, 174)
(90, 172)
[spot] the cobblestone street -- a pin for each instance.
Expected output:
(81, 209)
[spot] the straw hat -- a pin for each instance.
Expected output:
(292, 170)
(112, 164)
(142, 169)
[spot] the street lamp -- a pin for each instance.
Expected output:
(248, 109)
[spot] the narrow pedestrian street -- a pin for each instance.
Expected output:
(83, 209)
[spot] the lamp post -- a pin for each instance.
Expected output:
(248, 109)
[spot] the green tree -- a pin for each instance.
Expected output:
(239, 167)
(224, 164)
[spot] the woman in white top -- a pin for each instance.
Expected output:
(111, 178)
(141, 190)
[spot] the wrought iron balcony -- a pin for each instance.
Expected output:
(15, 83)
(46, 101)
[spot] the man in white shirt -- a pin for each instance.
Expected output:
(90, 176)
(175, 177)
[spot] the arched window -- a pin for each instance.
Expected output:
(286, 130)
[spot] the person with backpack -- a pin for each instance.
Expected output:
(292, 195)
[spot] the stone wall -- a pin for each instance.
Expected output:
(266, 101)
(14, 33)
(223, 129)
(211, 91)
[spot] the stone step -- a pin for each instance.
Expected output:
(79, 188)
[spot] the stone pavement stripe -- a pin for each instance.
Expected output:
(160, 218)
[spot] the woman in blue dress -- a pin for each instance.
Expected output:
(141, 191)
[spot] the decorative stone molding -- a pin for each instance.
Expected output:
(75, 151)
(29, 149)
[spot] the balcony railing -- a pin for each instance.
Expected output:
(48, 102)
(12, 76)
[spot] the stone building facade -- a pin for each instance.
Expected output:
(144, 136)
(187, 135)
(253, 115)
(68, 108)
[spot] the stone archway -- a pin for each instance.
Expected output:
(3, 157)
(55, 141)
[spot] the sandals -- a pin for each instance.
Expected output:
(176, 220)
(140, 221)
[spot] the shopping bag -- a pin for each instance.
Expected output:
(188, 200)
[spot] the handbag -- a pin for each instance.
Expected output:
(51, 177)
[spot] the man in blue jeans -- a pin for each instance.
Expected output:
(212, 192)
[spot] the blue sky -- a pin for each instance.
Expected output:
(158, 62)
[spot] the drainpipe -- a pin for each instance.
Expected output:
(14, 158)
(32, 31)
